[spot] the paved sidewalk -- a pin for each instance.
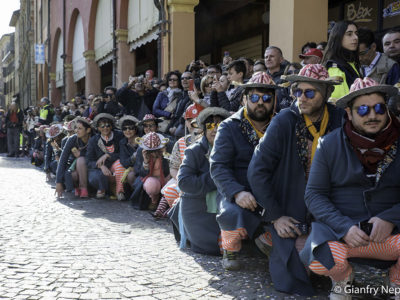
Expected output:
(100, 249)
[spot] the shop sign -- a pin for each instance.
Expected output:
(358, 13)
(393, 9)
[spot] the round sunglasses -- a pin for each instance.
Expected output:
(266, 98)
(105, 125)
(125, 128)
(309, 93)
(364, 110)
(211, 126)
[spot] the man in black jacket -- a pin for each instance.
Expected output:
(14, 121)
(234, 144)
(353, 191)
(109, 104)
(279, 170)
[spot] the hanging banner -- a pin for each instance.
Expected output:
(39, 54)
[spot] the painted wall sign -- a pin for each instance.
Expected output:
(358, 13)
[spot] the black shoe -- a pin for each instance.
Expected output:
(11, 155)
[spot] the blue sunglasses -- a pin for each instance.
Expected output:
(265, 98)
(310, 94)
(364, 110)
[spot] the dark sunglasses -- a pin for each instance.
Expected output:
(186, 78)
(364, 110)
(265, 98)
(310, 94)
(104, 125)
(125, 128)
(365, 51)
(149, 125)
(173, 79)
(211, 126)
(108, 95)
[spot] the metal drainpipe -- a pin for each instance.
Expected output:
(114, 63)
(49, 50)
(64, 56)
(160, 6)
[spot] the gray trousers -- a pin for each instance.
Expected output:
(13, 140)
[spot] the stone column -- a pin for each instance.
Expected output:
(182, 36)
(93, 74)
(126, 61)
(55, 95)
(294, 23)
(70, 87)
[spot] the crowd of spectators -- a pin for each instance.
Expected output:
(230, 152)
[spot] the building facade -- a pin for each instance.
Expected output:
(95, 43)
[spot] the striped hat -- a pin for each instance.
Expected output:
(152, 141)
(363, 87)
(260, 80)
(313, 73)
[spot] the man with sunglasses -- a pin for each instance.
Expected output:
(234, 144)
(109, 104)
(376, 65)
(353, 191)
(177, 126)
(279, 170)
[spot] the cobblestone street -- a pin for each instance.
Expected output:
(100, 249)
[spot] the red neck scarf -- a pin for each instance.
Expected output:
(371, 151)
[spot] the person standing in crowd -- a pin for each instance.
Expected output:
(166, 101)
(46, 112)
(72, 169)
(311, 56)
(307, 46)
(376, 65)
(283, 159)
(198, 204)
(137, 97)
(233, 148)
(3, 131)
(177, 125)
(353, 191)
(102, 157)
(231, 99)
(109, 105)
(214, 70)
(128, 147)
(273, 58)
(14, 121)
(341, 56)
(391, 44)
(259, 66)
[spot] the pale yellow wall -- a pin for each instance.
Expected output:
(281, 25)
(182, 40)
(295, 22)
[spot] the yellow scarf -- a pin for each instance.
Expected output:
(259, 133)
(313, 130)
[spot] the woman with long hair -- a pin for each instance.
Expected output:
(341, 56)
(72, 168)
